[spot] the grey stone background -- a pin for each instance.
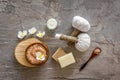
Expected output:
(104, 17)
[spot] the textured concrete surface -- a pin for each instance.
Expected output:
(104, 17)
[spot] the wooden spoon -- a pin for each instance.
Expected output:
(95, 52)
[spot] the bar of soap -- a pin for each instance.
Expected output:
(60, 52)
(66, 60)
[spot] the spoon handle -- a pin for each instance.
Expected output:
(83, 66)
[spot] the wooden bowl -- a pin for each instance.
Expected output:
(20, 51)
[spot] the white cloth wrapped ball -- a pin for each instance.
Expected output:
(80, 23)
(83, 42)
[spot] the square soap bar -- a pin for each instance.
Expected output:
(60, 52)
(66, 60)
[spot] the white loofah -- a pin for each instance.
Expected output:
(80, 24)
(83, 42)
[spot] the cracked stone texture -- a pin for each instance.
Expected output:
(104, 17)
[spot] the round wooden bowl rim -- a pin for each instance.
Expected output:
(40, 42)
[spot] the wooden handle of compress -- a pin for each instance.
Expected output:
(74, 34)
(68, 38)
